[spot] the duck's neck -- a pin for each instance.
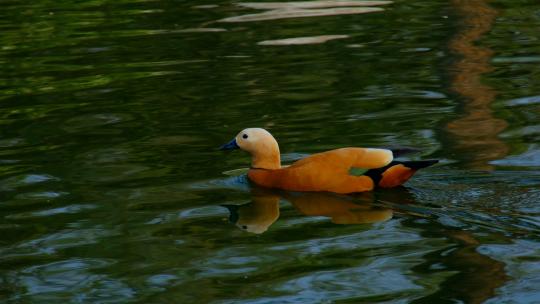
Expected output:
(267, 158)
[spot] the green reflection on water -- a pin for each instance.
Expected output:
(111, 184)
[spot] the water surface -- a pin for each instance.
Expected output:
(112, 188)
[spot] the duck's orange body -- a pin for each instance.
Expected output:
(328, 171)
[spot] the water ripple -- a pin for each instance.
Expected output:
(300, 13)
(69, 209)
(77, 276)
(303, 40)
(12, 183)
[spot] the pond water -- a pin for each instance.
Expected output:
(112, 189)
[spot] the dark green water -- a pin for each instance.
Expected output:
(111, 185)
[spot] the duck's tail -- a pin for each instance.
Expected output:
(400, 151)
(418, 164)
(397, 172)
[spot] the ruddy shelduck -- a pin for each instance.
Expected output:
(345, 170)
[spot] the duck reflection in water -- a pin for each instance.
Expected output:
(263, 210)
(475, 276)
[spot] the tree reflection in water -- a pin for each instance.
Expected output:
(476, 132)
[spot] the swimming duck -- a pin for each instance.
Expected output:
(345, 170)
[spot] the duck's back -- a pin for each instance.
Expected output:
(345, 158)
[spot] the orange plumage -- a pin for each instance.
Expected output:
(328, 171)
(395, 176)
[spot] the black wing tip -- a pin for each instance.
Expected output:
(419, 164)
(400, 151)
(377, 174)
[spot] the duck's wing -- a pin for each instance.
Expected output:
(348, 158)
(397, 172)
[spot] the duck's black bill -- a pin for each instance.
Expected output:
(230, 145)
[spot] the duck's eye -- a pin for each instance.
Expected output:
(244, 136)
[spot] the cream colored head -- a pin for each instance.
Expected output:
(262, 146)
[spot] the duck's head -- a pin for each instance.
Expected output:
(262, 146)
